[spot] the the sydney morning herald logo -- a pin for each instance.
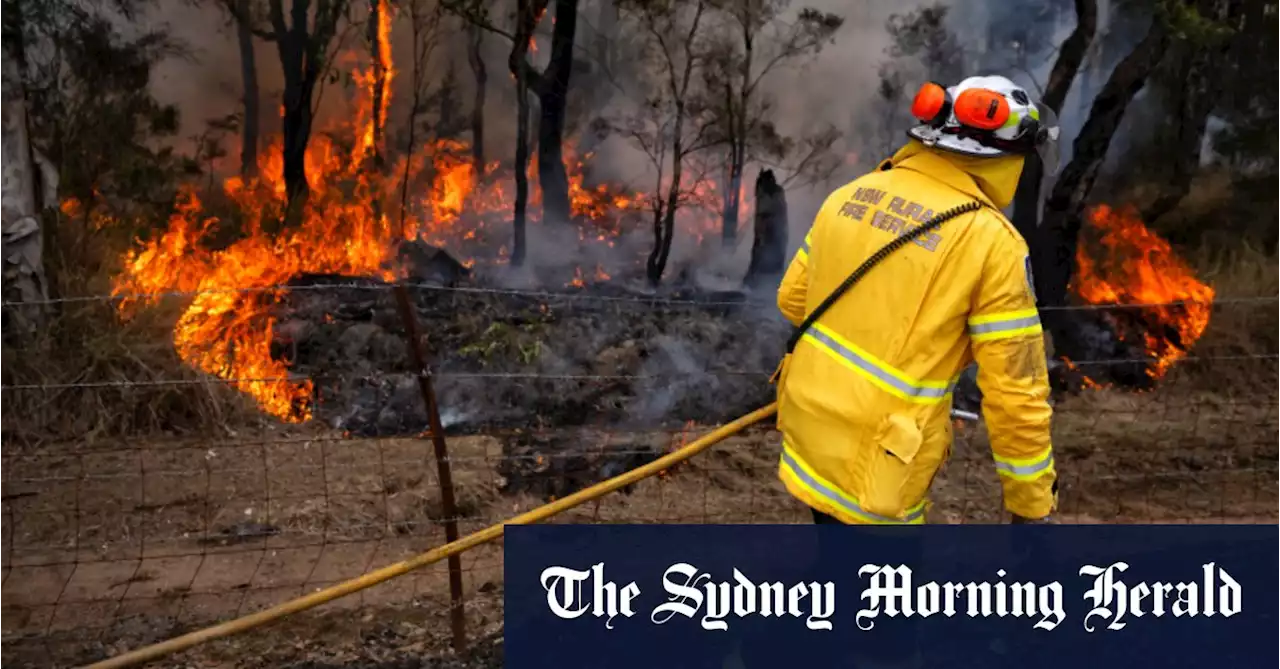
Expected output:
(894, 591)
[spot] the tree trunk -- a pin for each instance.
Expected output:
(522, 170)
(302, 61)
(475, 58)
(733, 195)
(664, 226)
(552, 102)
(527, 81)
(22, 269)
(551, 87)
(1026, 201)
(769, 245)
(297, 119)
(250, 98)
(652, 268)
(376, 48)
(664, 219)
(1199, 91)
(1056, 239)
(738, 139)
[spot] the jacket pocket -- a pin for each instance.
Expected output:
(887, 466)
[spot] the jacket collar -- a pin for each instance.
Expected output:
(937, 167)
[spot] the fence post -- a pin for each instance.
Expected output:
(458, 614)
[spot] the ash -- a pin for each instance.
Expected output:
(505, 360)
(609, 354)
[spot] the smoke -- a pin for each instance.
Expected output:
(673, 359)
(1018, 39)
(836, 87)
(208, 84)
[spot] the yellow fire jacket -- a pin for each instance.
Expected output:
(865, 399)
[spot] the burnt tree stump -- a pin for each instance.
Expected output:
(769, 243)
(431, 263)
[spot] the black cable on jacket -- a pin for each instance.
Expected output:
(872, 261)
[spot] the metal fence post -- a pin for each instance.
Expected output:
(449, 508)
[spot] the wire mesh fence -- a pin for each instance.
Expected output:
(114, 540)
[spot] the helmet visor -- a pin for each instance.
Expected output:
(1047, 147)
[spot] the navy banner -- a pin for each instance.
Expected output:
(667, 596)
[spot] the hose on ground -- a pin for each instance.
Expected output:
(145, 654)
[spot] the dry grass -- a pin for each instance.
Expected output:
(83, 343)
(1244, 272)
(1238, 329)
(86, 344)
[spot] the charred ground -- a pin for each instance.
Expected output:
(604, 355)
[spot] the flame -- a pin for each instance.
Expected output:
(579, 279)
(1085, 381)
(227, 330)
(236, 255)
(376, 83)
(1138, 267)
(676, 445)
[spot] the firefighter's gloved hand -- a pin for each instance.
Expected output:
(1019, 520)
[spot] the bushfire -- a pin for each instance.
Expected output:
(351, 223)
(235, 250)
(1126, 263)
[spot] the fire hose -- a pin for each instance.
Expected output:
(145, 654)
(155, 651)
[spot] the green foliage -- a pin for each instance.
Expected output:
(1187, 23)
(1247, 142)
(922, 33)
(503, 341)
(92, 113)
(922, 48)
(820, 23)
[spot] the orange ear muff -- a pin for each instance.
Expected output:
(932, 104)
(981, 109)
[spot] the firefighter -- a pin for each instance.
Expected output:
(865, 396)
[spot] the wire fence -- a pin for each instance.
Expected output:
(653, 298)
(116, 540)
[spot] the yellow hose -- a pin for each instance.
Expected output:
(156, 651)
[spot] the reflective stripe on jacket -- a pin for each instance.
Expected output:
(864, 406)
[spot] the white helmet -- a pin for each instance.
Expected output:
(986, 117)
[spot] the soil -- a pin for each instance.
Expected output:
(109, 548)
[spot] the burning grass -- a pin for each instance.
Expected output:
(1175, 315)
(87, 344)
(1120, 261)
(346, 227)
